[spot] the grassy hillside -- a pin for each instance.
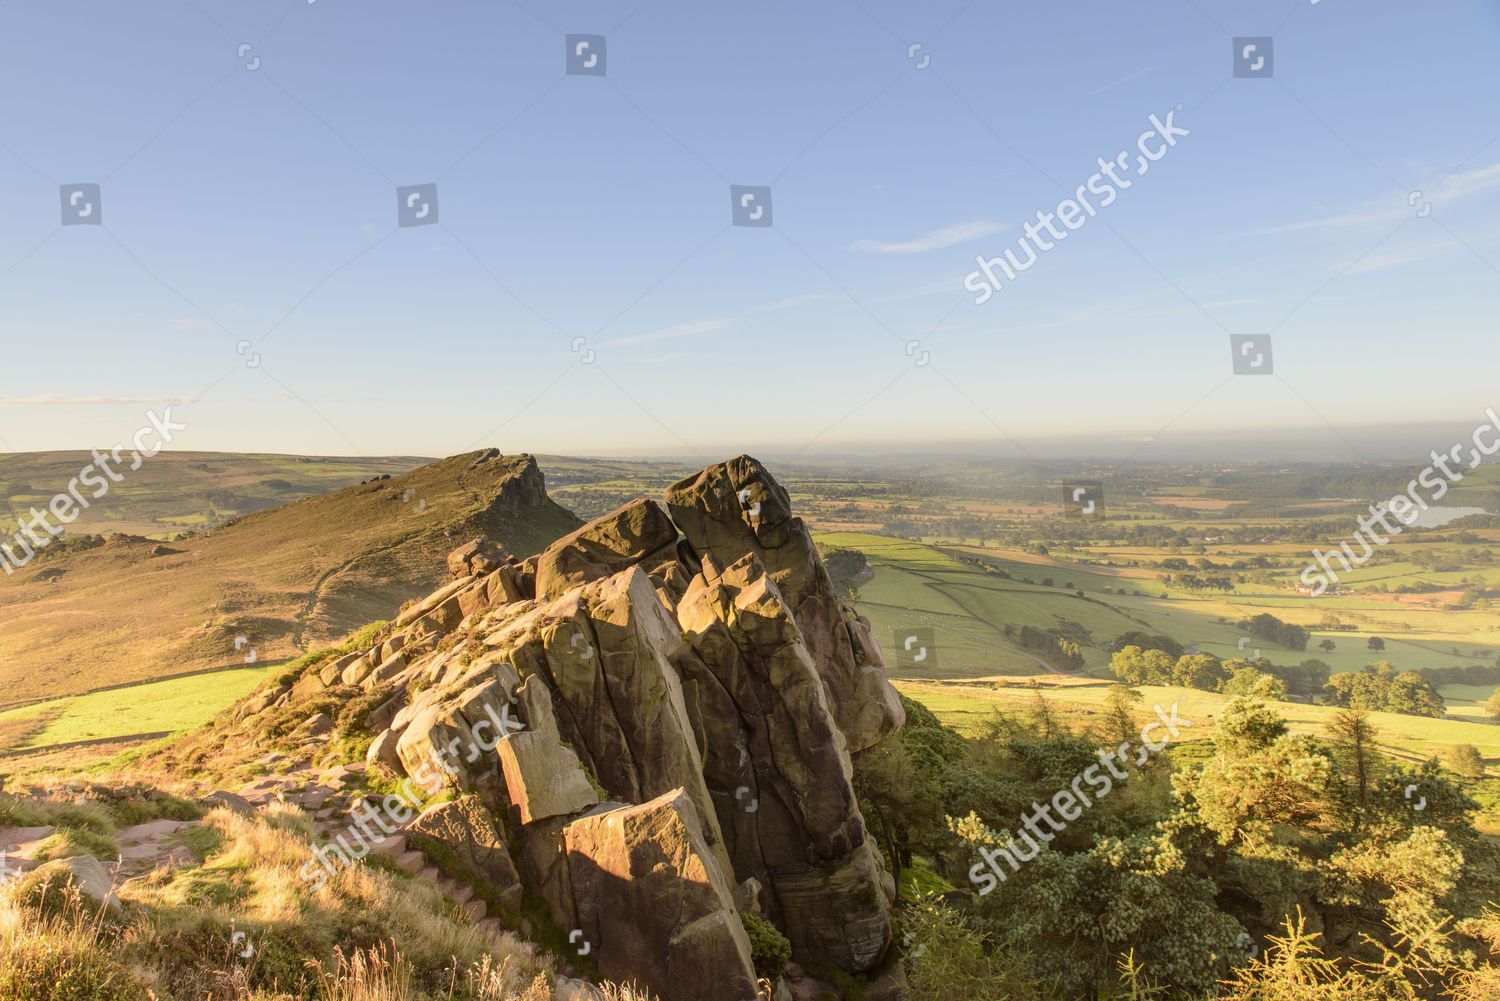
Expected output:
(305, 573)
(80, 728)
(177, 492)
(214, 907)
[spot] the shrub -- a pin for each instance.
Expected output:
(947, 959)
(769, 949)
(1465, 760)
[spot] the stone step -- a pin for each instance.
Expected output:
(411, 862)
(394, 845)
(474, 910)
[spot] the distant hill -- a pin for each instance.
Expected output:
(177, 492)
(301, 574)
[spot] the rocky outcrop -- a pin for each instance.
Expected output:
(734, 508)
(478, 558)
(781, 772)
(543, 777)
(650, 721)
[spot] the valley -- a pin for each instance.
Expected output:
(985, 552)
(1000, 615)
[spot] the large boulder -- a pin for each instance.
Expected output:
(605, 546)
(437, 749)
(477, 558)
(81, 874)
(438, 607)
(229, 801)
(473, 838)
(383, 750)
(543, 777)
(654, 906)
(736, 507)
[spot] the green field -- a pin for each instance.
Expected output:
(917, 586)
(1413, 738)
(158, 707)
(960, 592)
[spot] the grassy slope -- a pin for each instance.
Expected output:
(231, 917)
(301, 574)
(172, 706)
(175, 492)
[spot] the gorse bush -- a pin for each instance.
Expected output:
(1274, 867)
(946, 959)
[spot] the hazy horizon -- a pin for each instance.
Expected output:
(1376, 443)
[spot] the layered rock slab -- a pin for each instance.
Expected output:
(475, 839)
(604, 651)
(654, 905)
(628, 536)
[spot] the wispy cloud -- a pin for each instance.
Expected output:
(936, 286)
(1392, 209)
(1121, 82)
(694, 328)
(1404, 257)
(792, 302)
(938, 239)
(1117, 311)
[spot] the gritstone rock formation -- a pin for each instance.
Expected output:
(649, 722)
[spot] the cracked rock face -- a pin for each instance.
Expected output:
(654, 714)
(735, 508)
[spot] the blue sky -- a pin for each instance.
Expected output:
(259, 205)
